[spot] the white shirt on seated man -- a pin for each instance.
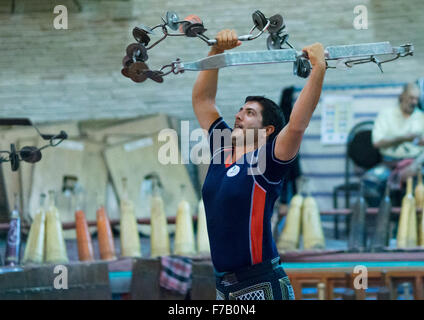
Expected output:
(399, 131)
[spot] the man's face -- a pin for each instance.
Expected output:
(409, 101)
(249, 117)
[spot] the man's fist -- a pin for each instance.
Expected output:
(225, 40)
(315, 54)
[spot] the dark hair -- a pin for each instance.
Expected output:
(271, 114)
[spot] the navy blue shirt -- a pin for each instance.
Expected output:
(239, 198)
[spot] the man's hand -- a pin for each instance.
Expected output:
(410, 137)
(416, 138)
(225, 40)
(206, 85)
(315, 54)
(410, 171)
(393, 142)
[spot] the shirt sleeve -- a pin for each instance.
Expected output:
(268, 166)
(219, 135)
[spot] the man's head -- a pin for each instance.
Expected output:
(409, 98)
(258, 113)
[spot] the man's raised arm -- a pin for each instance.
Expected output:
(289, 139)
(206, 85)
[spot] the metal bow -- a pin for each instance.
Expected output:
(279, 49)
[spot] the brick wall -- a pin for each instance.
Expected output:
(50, 75)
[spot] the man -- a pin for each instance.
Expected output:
(398, 133)
(239, 198)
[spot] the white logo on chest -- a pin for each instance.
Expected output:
(233, 171)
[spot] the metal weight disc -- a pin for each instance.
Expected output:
(131, 48)
(273, 42)
(302, 67)
(140, 78)
(125, 72)
(126, 62)
(306, 68)
(141, 36)
(295, 67)
(276, 22)
(137, 51)
(284, 37)
(192, 30)
(137, 71)
(145, 28)
(171, 20)
(155, 75)
(14, 161)
(259, 19)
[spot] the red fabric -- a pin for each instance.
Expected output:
(176, 274)
(228, 161)
(257, 223)
(403, 164)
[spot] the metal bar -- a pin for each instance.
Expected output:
(290, 55)
(240, 58)
(358, 50)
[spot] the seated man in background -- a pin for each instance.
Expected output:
(398, 133)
